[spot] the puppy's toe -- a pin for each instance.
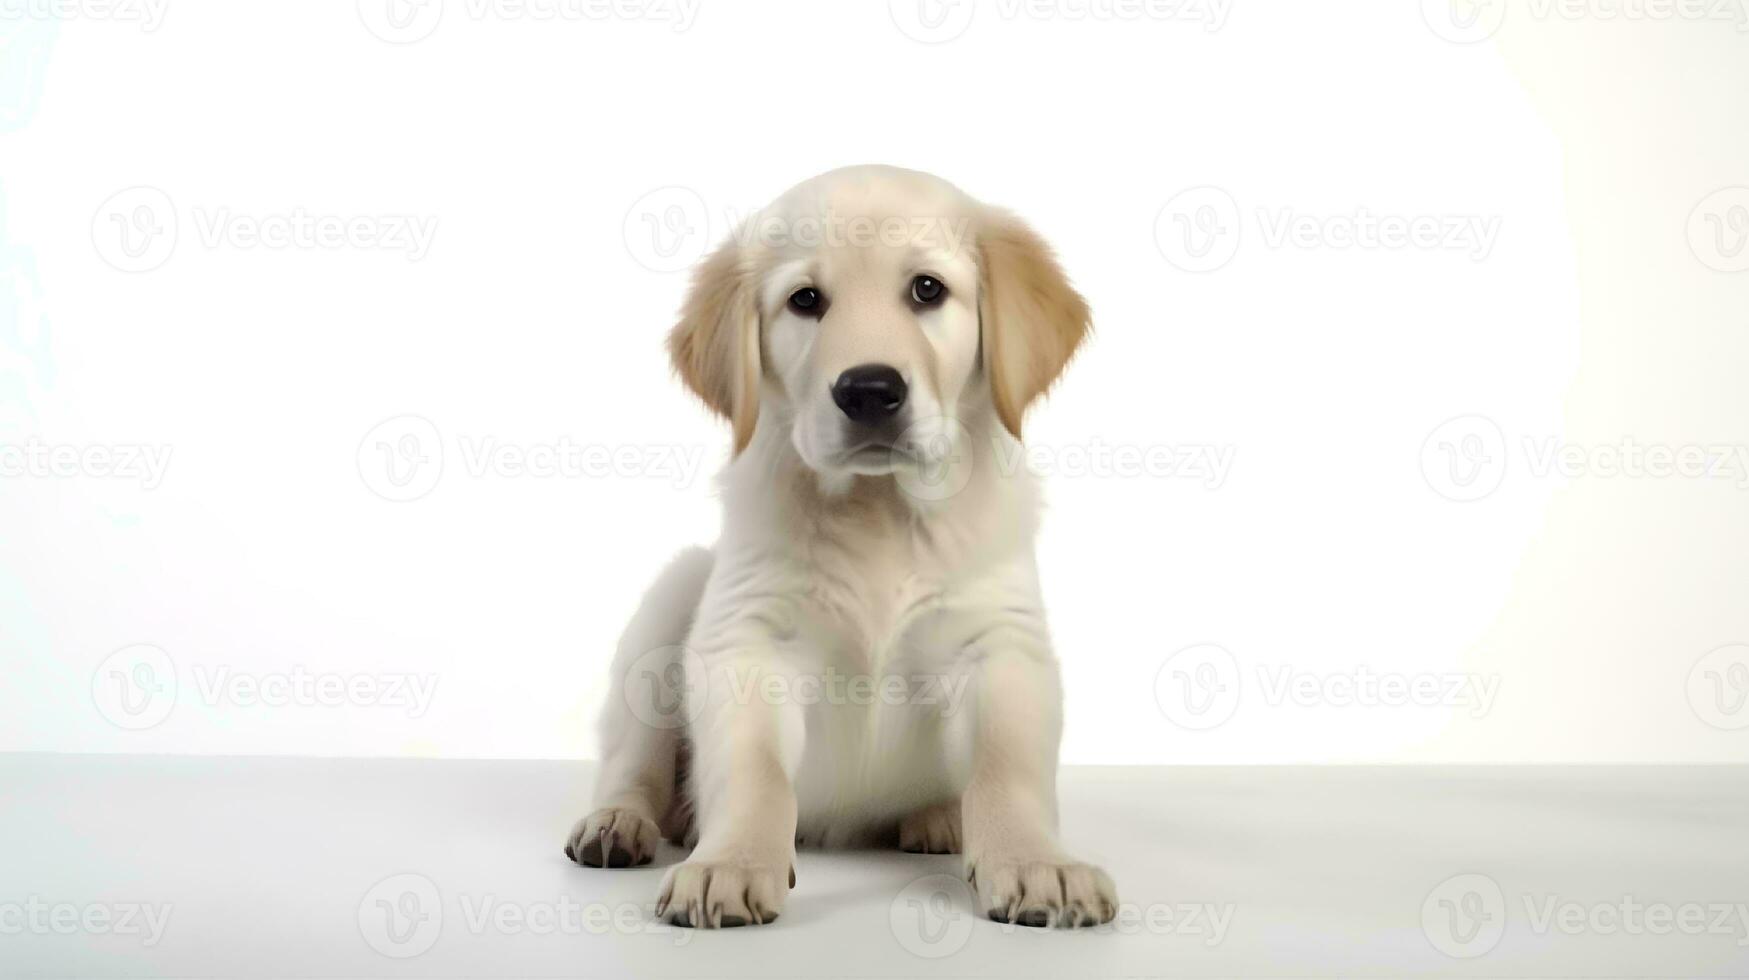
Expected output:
(612, 838)
(932, 830)
(1045, 893)
(721, 894)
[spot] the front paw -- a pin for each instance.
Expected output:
(612, 838)
(1046, 892)
(723, 894)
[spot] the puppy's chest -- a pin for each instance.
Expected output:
(882, 600)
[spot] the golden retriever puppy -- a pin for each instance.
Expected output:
(863, 656)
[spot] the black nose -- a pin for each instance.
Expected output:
(869, 393)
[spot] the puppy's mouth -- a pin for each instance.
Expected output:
(874, 458)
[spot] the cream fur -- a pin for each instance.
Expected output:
(836, 561)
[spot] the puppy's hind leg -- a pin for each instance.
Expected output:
(643, 723)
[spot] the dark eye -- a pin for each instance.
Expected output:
(807, 301)
(927, 290)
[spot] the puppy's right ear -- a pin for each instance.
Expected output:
(715, 346)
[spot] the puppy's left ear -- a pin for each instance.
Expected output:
(715, 346)
(1030, 319)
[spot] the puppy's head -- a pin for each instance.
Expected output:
(875, 313)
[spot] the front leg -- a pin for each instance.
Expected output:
(1013, 859)
(745, 753)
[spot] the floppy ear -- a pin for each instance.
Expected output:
(715, 346)
(1030, 319)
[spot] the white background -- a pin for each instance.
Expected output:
(574, 166)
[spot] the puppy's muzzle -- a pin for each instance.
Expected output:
(869, 394)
